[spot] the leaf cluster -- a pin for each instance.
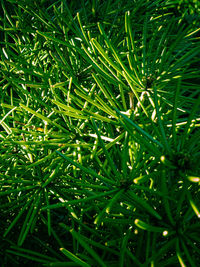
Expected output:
(99, 130)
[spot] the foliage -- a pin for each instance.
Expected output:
(100, 138)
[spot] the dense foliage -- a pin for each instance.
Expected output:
(99, 130)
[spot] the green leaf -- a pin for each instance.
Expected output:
(160, 122)
(28, 203)
(42, 117)
(87, 170)
(74, 258)
(178, 253)
(191, 116)
(165, 200)
(139, 129)
(143, 204)
(80, 240)
(81, 200)
(112, 164)
(26, 188)
(28, 222)
(145, 226)
(175, 106)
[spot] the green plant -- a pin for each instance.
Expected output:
(99, 134)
